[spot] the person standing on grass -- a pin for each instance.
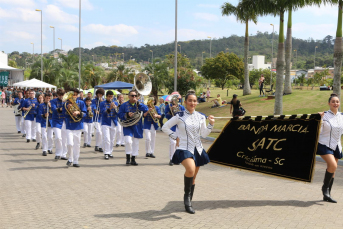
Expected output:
(261, 84)
(235, 103)
(208, 94)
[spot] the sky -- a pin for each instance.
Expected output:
(138, 22)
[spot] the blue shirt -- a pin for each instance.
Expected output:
(27, 103)
(137, 129)
(17, 101)
(148, 120)
(87, 119)
(169, 115)
(96, 107)
(107, 117)
(70, 123)
(38, 117)
(42, 110)
(57, 113)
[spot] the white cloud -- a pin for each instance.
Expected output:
(206, 16)
(27, 15)
(22, 3)
(69, 28)
(112, 30)
(21, 35)
(208, 6)
(315, 31)
(95, 44)
(323, 10)
(4, 13)
(85, 4)
(57, 15)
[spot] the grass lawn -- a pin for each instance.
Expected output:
(299, 102)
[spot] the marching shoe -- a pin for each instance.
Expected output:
(34, 140)
(49, 151)
(85, 145)
(19, 132)
(110, 155)
(64, 158)
(326, 187)
(96, 148)
(37, 146)
(171, 163)
(106, 156)
(101, 150)
(44, 153)
(177, 164)
(147, 155)
(69, 163)
(187, 197)
(57, 157)
(122, 145)
(133, 160)
(89, 145)
(152, 155)
(27, 140)
(24, 135)
(128, 159)
(92, 135)
(192, 191)
(76, 165)
(117, 145)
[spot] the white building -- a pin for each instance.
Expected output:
(14, 75)
(258, 62)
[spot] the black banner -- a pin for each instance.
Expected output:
(280, 147)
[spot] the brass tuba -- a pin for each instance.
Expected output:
(152, 112)
(174, 101)
(143, 85)
(69, 97)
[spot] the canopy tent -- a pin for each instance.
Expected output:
(34, 83)
(5, 67)
(92, 91)
(115, 85)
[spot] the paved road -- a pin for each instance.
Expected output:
(37, 192)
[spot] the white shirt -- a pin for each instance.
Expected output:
(190, 128)
(331, 130)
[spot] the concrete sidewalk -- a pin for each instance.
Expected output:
(37, 192)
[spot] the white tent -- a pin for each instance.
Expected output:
(34, 83)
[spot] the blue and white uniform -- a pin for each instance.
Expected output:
(47, 131)
(150, 128)
(59, 127)
(30, 123)
(74, 130)
(97, 122)
(38, 125)
(119, 133)
(172, 142)
(22, 121)
(135, 132)
(88, 126)
(17, 116)
(109, 122)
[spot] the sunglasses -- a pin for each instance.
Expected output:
(133, 95)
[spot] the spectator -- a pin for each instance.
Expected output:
(1, 98)
(235, 103)
(208, 94)
(218, 101)
(201, 98)
(261, 82)
(8, 97)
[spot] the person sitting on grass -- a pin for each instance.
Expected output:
(218, 101)
(201, 98)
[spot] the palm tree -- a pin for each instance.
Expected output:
(68, 79)
(265, 7)
(92, 75)
(338, 52)
(244, 16)
(70, 62)
(288, 86)
(158, 72)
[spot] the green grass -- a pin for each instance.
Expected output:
(299, 102)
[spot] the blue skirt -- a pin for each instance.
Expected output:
(324, 150)
(199, 160)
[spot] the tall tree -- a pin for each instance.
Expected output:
(244, 16)
(158, 72)
(265, 7)
(338, 52)
(288, 85)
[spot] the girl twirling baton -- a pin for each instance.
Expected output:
(189, 152)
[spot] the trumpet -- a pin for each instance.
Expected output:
(152, 112)
(90, 113)
(174, 101)
(28, 111)
(69, 97)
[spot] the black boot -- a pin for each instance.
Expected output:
(192, 191)
(187, 196)
(133, 160)
(326, 187)
(330, 187)
(128, 162)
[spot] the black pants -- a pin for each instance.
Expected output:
(161, 120)
(261, 89)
